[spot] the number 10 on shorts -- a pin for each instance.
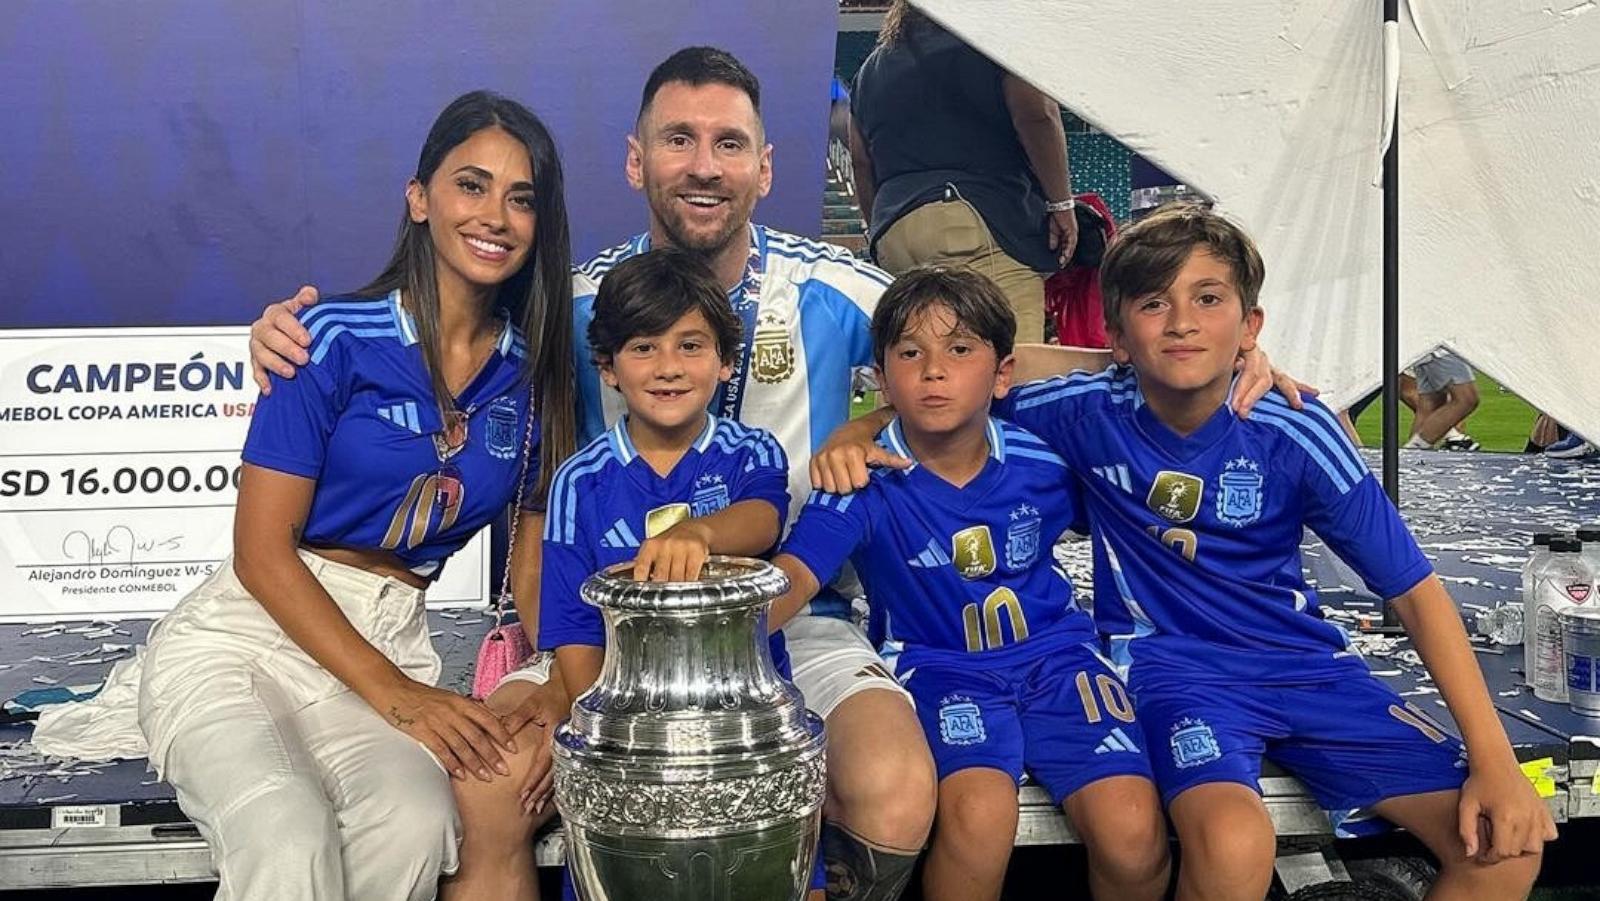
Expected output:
(1101, 692)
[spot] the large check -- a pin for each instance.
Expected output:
(119, 466)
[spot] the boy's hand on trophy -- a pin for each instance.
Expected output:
(676, 555)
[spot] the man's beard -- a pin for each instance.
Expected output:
(704, 246)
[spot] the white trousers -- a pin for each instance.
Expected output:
(301, 790)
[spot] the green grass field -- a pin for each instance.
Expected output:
(1500, 423)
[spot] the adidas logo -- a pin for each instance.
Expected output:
(403, 415)
(619, 535)
(1115, 742)
(932, 556)
(1116, 475)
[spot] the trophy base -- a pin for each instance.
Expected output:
(770, 864)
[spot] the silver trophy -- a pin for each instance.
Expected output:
(691, 769)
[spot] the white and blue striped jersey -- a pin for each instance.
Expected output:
(361, 418)
(1197, 539)
(810, 328)
(606, 500)
(964, 569)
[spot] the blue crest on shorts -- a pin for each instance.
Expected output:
(1239, 492)
(710, 495)
(500, 431)
(1193, 743)
(960, 721)
(1022, 537)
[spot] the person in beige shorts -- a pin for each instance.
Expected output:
(957, 161)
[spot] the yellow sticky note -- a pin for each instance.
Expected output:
(1537, 772)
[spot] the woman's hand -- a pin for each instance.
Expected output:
(462, 733)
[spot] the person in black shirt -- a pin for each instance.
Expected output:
(957, 161)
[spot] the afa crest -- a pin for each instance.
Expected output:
(1193, 743)
(710, 495)
(772, 353)
(1022, 537)
(500, 432)
(961, 721)
(1239, 492)
(663, 518)
(1175, 495)
(972, 550)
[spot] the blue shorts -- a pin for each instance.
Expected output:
(1353, 742)
(1059, 713)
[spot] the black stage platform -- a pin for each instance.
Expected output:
(66, 823)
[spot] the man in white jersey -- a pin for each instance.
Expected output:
(700, 156)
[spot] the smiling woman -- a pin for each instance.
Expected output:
(290, 698)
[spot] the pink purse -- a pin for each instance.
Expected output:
(506, 647)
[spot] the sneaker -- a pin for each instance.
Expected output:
(1461, 443)
(1572, 447)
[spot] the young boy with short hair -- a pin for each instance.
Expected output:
(955, 554)
(1197, 519)
(670, 483)
(667, 486)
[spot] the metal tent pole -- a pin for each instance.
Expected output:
(1391, 288)
(1391, 291)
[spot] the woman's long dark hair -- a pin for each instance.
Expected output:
(538, 298)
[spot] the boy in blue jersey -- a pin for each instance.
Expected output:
(955, 553)
(669, 484)
(1197, 519)
(665, 487)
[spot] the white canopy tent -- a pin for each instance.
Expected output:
(1275, 109)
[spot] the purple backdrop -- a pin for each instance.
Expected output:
(180, 162)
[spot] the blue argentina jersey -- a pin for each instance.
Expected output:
(361, 418)
(960, 569)
(809, 327)
(1197, 539)
(606, 500)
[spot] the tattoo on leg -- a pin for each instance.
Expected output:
(861, 871)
